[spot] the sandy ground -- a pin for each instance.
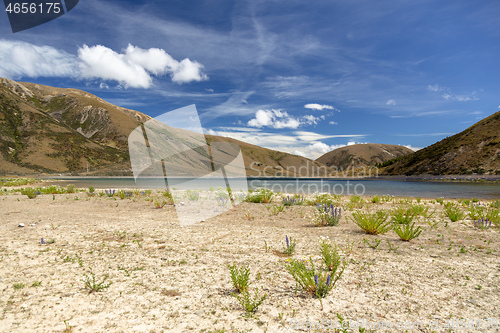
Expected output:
(168, 278)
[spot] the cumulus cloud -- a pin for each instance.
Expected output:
(332, 123)
(273, 118)
(391, 102)
(319, 147)
(281, 119)
(319, 107)
(134, 67)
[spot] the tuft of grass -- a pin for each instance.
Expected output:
(375, 244)
(30, 192)
(372, 224)
(275, 209)
(159, 203)
(400, 216)
(36, 284)
(407, 231)
(18, 286)
(192, 195)
(93, 285)
(240, 276)
(70, 188)
(453, 212)
(376, 199)
(249, 303)
(261, 195)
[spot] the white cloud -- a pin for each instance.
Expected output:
(319, 107)
(103, 86)
(132, 68)
(281, 119)
(319, 147)
(391, 102)
(434, 87)
(332, 123)
(20, 59)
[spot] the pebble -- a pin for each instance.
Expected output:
(20, 225)
(199, 313)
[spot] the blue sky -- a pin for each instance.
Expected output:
(296, 76)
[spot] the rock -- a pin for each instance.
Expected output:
(199, 312)
(21, 225)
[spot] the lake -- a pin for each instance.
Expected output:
(368, 187)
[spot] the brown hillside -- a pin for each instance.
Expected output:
(56, 130)
(474, 150)
(362, 155)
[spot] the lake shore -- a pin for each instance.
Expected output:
(170, 278)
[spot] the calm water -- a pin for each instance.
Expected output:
(307, 186)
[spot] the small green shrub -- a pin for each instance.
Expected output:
(407, 231)
(314, 281)
(249, 303)
(494, 216)
(240, 276)
(402, 217)
(453, 212)
(93, 285)
(322, 199)
(30, 192)
(376, 199)
(262, 195)
(327, 215)
(192, 195)
(70, 188)
(329, 255)
(372, 224)
(275, 209)
(476, 212)
(289, 247)
(440, 201)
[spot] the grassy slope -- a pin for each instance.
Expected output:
(362, 155)
(476, 149)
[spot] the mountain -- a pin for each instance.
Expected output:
(474, 150)
(58, 130)
(362, 155)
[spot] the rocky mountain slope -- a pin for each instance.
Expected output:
(474, 150)
(56, 130)
(362, 155)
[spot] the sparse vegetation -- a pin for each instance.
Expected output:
(372, 223)
(240, 276)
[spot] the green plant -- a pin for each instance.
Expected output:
(93, 285)
(249, 303)
(476, 212)
(407, 231)
(36, 284)
(91, 189)
(440, 201)
(275, 209)
(289, 247)
(453, 212)
(402, 217)
(30, 192)
(159, 203)
(321, 199)
(329, 255)
(376, 243)
(376, 199)
(315, 281)
(240, 276)
(494, 216)
(70, 188)
(18, 286)
(372, 224)
(192, 195)
(327, 215)
(261, 195)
